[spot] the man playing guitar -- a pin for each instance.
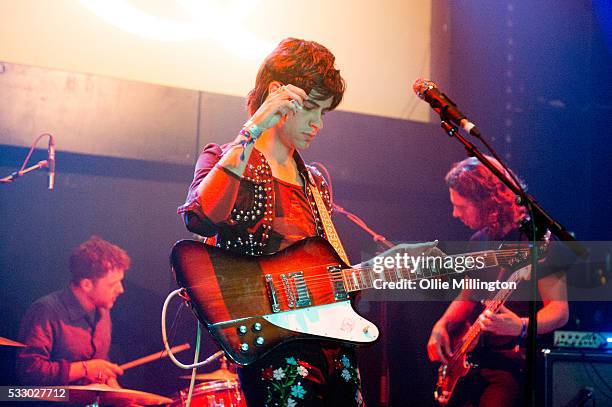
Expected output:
(488, 207)
(256, 196)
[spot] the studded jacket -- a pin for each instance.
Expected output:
(247, 230)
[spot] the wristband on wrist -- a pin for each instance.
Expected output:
(523, 334)
(251, 129)
(252, 132)
(85, 368)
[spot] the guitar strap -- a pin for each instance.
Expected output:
(328, 225)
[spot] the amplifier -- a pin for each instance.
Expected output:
(577, 378)
(583, 339)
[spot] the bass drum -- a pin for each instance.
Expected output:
(218, 393)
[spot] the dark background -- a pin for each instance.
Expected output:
(533, 75)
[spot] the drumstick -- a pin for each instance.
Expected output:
(154, 356)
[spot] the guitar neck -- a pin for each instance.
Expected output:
(493, 305)
(413, 269)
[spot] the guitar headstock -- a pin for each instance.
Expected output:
(523, 251)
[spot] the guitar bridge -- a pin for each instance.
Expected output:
(340, 293)
(272, 293)
(288, 291)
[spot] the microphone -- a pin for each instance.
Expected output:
(51, 162)
(443, 105)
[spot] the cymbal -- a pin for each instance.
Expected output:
(9, 342)
(108, 395)
(221, 374)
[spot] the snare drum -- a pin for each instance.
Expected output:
(218, 393)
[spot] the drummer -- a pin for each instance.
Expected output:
(68, 332)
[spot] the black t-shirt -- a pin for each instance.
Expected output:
(497, 351)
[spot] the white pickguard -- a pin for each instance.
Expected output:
(337, 320)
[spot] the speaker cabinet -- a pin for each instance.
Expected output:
(577, 378)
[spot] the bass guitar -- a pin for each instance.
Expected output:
(458, 364)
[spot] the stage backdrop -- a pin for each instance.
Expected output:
(217, 45)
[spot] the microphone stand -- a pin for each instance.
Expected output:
(380, 239)
(12, 177)
(41, 164)
(541, 222)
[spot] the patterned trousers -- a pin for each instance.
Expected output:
(304, 373)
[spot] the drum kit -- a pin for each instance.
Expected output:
(216, 389)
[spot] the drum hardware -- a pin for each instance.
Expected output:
(220, 388)
(95, 395)
(9, 342)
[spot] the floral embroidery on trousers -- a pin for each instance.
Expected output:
(285, 383)
(350, 374)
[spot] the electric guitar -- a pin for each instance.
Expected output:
(458, 364)
(251, 305)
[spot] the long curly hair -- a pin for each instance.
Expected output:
(305, 64)
(96, 257)
(495, 201)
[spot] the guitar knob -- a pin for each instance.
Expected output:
(242, 330)
(257, 327)
(259, 341)
(244, 347)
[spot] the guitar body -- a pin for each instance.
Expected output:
(251, 305)
(458, 364)
(456, 368)
(461, 362)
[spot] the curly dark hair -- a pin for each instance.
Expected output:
(495, 201)
(96, 257)
(305, 64)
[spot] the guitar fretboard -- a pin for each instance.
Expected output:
(492, 305)
(360, 278)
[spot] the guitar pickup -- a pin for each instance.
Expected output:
(302, 296)
(272, 293)
(296, 290)
(337, 283)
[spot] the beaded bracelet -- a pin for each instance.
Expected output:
(251, 132)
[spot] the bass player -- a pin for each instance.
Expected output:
(485, 205)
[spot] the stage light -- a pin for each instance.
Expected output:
(127, 17)
(219, 21)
